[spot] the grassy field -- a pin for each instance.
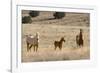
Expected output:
(54, 29)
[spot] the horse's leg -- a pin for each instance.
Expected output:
(36, 47)
(30, 46)
(55, 47)
(60, 47)
(82, 43)
(27, 46)
(77, 44)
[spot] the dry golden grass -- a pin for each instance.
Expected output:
(51, 55)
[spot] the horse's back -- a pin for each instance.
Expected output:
(29, 40)
(55, 42)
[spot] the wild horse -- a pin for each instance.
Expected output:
(32, 41)
(59, 43)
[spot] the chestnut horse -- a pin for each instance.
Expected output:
(59, 43)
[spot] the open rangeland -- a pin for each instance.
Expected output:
(52, 30)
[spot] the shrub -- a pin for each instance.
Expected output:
(58, 15)
(34, 13)
(26, 19)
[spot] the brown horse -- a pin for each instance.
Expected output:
(79, 38)
(59, 43)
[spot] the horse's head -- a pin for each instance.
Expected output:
(37, 34)
(81, 30)
(62, 39)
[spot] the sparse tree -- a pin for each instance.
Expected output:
(59, 15)
(34, 13)
(26, 19)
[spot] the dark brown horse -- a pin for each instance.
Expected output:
(59, 43)
(79, 38)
